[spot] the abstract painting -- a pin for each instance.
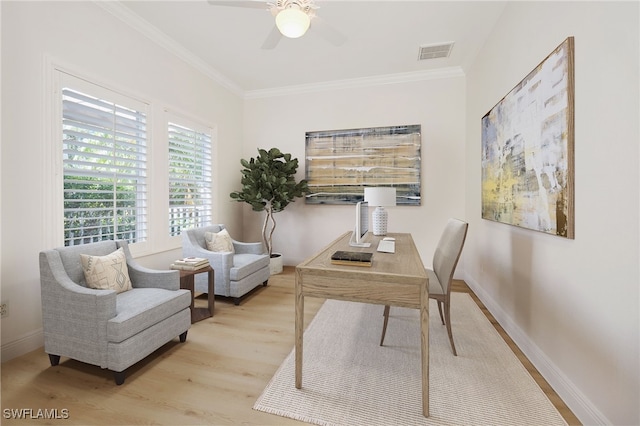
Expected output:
(340, 163)
(528, 150)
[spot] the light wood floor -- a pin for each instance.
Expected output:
(212, 379)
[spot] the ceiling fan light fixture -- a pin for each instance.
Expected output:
(292, 22)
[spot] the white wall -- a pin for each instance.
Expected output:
(438, 105)
(89, 40)
(572, 305)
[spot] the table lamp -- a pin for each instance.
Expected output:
(380, 197)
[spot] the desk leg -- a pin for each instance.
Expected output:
(299, 328)
(424, 328)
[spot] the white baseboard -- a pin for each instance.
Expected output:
(27, 343)
(586, 412)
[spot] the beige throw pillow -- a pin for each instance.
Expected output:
(107, 272)
(219, 241)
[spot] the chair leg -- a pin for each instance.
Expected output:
(119, 377)
(183, 337)
(384, 325)
(236, 301)
(447, 314)
(440, 310)
(54, 359)
(264, 284)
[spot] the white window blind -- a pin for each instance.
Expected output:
(190, 201)
(105, 168)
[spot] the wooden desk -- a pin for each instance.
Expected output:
(187, 281)
(396, 279)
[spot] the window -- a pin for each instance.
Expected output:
(190, 201)
(104, 166)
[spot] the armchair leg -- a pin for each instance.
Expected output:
(54, 359)
(264, 284)
(119, 377)
(236, 301)
(183, 337)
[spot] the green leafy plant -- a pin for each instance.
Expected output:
(268, 184)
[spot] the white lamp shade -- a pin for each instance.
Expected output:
(292, 22)
(380, 196)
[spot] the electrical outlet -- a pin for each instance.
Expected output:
(4, 309)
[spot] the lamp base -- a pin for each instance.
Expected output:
(379, 217)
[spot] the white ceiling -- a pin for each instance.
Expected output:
(383, 39)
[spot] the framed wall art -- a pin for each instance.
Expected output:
(340, 163)
(528, 150)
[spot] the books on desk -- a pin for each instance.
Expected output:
(190, 263)
(352, 258)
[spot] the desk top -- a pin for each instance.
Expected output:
(404, 263)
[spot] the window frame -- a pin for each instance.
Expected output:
(58, 76)
(109, 142)
(192, 125)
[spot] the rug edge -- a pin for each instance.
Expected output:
(289, 415)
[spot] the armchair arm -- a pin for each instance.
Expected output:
(55, 282)
(142, 277)
(248, 248)
(220, 261)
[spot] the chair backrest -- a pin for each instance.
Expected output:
(448, 251)
(195, 236)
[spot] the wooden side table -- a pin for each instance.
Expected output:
(187, 281)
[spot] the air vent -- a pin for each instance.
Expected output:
(433, 51)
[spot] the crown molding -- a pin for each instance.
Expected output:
(154, 34)
(408, 77)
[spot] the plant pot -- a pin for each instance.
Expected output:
(275, 263)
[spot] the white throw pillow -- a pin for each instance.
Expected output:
(107, 272)
(219, 241)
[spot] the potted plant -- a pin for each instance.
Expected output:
(268, 184)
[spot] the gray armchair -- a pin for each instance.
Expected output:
(236, 273)
(101, 327)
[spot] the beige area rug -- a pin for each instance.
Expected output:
(348, 379)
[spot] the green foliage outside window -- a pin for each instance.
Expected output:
(93, 211)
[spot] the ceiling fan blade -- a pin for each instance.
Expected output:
(259, 4)
(328, 32)
(272, 39)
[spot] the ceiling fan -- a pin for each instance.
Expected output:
(292, 19)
